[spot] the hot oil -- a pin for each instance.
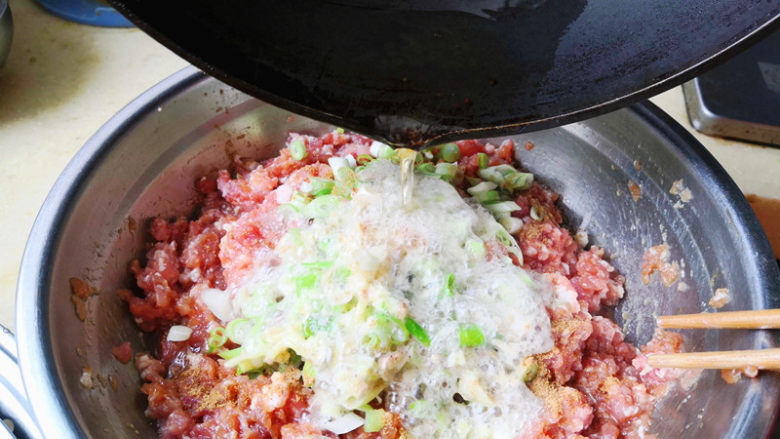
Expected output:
(406, 159)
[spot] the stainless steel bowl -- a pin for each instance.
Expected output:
(143, 162)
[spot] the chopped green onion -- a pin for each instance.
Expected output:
(535, 214)
(504, 207)
(427, 154)
(387, 153)
(476, 248)
(450, 152)
(336, 163)
(505, 239)
(323, 205)
(487, 197)
(471, 336)
(304, 282)
(321, 186)
(381, 151)
(233, 353)
(397, 330)
(364, 158)
(481, 187)
(345, 174)
(511, 224)
(418, 407)
(217, 338)
(340, 130)
(417, 331)
(519, 181)
(313, 325)
(343, 189)
(238, 329)
(375, 420)
(298, 149)
(427, 169)
(497, 174)
(449, 287)
(484, 160)
(530, 371)
(446, 171)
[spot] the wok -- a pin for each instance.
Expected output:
(411, 72)
(143, 163)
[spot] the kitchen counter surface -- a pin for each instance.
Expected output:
(62, 81)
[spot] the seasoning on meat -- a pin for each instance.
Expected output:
(317, 307)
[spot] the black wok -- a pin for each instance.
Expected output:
(416, 70)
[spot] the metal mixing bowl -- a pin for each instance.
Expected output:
(143, 162)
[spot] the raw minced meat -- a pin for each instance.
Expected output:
(593, 383)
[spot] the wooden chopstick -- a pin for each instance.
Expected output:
(760, 319)
(762, 359)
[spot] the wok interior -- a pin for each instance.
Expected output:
(150, 169)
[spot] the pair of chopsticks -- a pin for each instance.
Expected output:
(761, 359)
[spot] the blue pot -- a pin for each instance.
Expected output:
(86, 11)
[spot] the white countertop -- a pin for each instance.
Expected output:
(62, 81)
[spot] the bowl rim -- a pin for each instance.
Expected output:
(41, 381)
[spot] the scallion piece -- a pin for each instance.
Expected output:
(504, 207)
(417, 331)
(446, 171)
(238, 329)
(484, 160)
(321, 186)
(298, 149)
(505, 239)
(449, 287)
(476, 249)
(427, 169)
(497, 174)
(487, 197)
(313, 325)
(337, 163)
(471, 336)
(304, 282)
(519, 181)
(217, 338)
(395, 327)
(233, 353)
(481, 187)
(535, 214)
(530, 372)
(511, 224)
(375, 420)
(381, 151)
(450, 152)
